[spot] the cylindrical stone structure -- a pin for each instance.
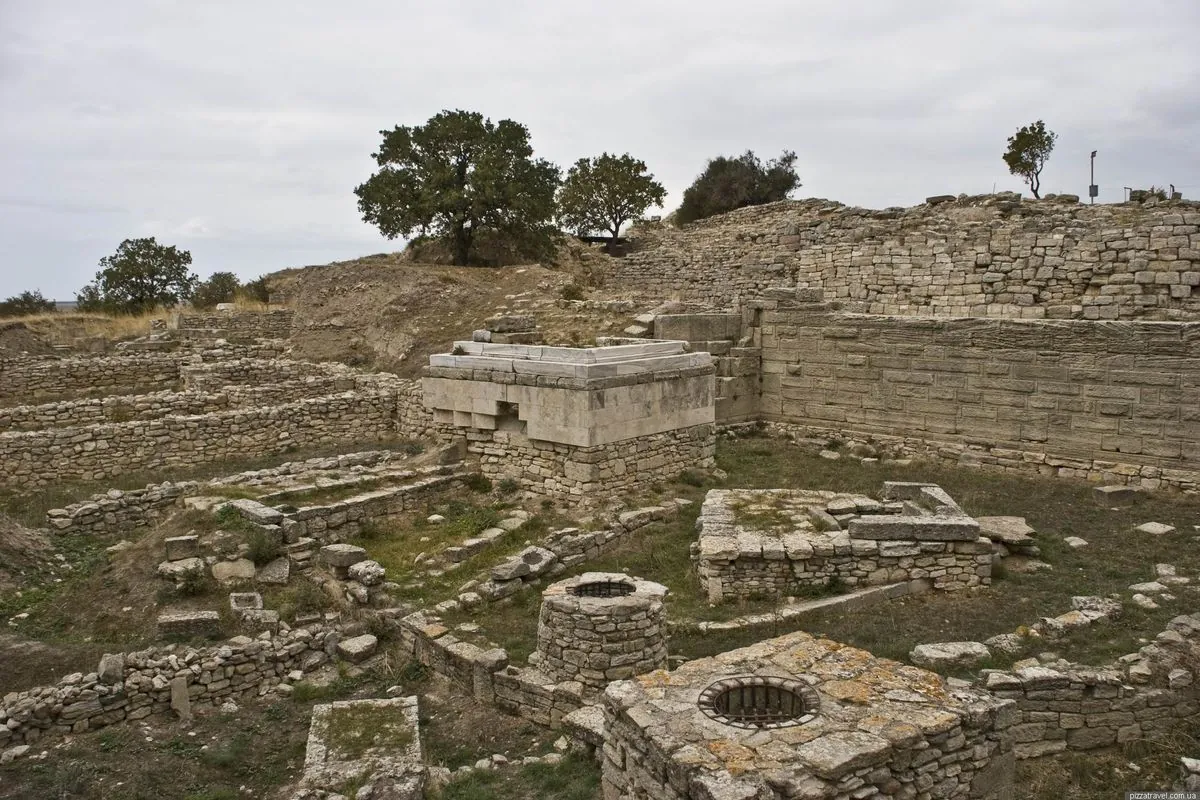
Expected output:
(600, 627)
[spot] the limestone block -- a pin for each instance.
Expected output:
(181, 547)
(342, 555)
(189, 623)
(358, 648)
(241, 569)
(949, 654)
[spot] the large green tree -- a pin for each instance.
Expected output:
(141, 275)
(1028, 151)
(603, 193)
(731, 183)
(457, 176)
(25, 303)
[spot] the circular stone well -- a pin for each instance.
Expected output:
(762, 702)
(601, 627)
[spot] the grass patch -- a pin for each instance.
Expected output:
(574, 778)
(353, 730)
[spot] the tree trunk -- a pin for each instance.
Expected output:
(462, 244)
(1034, 185)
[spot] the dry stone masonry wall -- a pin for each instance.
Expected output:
(979, 256)
(30, 380)
(1117, 401)
(775, 543)
(234, 324)
(800, 717)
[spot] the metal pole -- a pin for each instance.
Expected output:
(1093, 181)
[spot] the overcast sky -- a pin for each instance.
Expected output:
(238, 130)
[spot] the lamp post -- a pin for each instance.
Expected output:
(1093, 189)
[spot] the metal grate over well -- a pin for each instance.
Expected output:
(603, 589)
(760, 702)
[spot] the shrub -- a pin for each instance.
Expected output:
(572, 291)
(731, 183)
(508, 486)
(26, 303)
(264, 548)
(478, 483)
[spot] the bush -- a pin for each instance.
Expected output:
(572, 291)
(478, 483)
(264, 548)
(508, 486)
(731, 183)
(26, 303)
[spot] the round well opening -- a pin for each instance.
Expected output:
(760, 702)
(603, 589)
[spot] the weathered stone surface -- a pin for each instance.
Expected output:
(177, 570)
(358, 648)
(241, 569)
(112, 668)
(368, 573)
(949, 654)
(1155, 528)
(1010, 531)
(1117, 495)
(275, 572)
(342, 555)
(181, 547)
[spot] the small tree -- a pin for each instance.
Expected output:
(26, 303)
(602, 194)
(731, 183)
(257, 290)
(1028, 151)
(221, 287)
(458, 175)
(141, 275)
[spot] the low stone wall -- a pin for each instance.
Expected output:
(241, 324)
(776, 543)
(39, 458)
(554, 470)
(26, 380)
(1111, 401)
(118, 511)
(215, 376)
(1144, 696)
(135, 685)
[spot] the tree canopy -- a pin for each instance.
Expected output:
(221, 287)
(25, 303)
(731, 183)
(457, 175)
(141, 275)
(603, 193)
(1028, 150)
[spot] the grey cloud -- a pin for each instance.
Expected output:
(240, 129)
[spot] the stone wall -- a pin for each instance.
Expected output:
(214, 376)
(30, 380)
(778, 543)
(240, 324)
(132, 686)
(980, 256)
(39, 458)
(555, 470)
(1144, 696)
(1113, 401)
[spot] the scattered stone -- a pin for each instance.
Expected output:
(358, 648)
(1074, 542)
(181, 703)
(241, 569)
(13, 753)
(1153, 587)
(435, 519)
(178, 570)
(1096, 608)
(830, 455)
(276, 572)
(342, 555)
(1141, 601)
(1117, 496)
(180, 547)
(368, 573)
(1155, 528)
(1008, 643)
(949, 654)
(245, 601)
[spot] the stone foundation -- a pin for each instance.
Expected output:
(574, 421)
(601, 627)
(780, 542)
(799, 717)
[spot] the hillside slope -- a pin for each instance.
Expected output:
(387, 313)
